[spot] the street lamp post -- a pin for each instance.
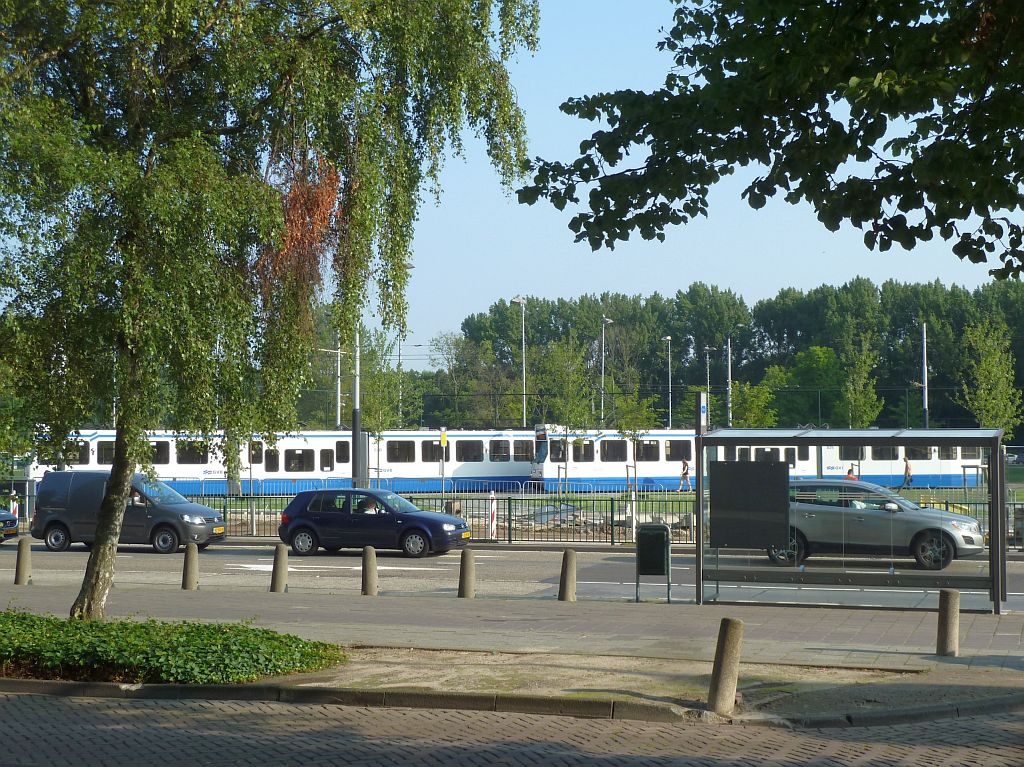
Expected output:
(924, 370)
(605, 322)
(669, 339)
(522, 305)
(707, 369)
(728, 381)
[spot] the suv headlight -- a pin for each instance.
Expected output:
(967, 527)
(448, 528)
(194, 519)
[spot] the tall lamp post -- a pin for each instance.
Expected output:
(707, 369)
(605, 322)
(669, 339)
(522, 305)
(924, 370)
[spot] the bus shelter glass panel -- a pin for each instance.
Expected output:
(881, 526)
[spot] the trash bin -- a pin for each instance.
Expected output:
(654, 554)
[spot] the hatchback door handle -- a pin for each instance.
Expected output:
(807, 515)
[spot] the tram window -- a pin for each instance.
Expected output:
(972, 453)
(298, 460)
(341, 451)
(255, 452)
(791, 456)
(192, 452)
(678, 450)
(803, 452)
(947, 453)
(613, 451)
(430, 451)
(557, 451)
(743, 454)
(272, 460)
(81, 457)
(648, 450)
(469, 450)
(523, 450)
(105, 451)
(583, 451)
(766, 454)
(919, 453)
(498, 450)
(730, 452)
(885, 453)
(327, 460)
(851, 453)
(401, 451)
(161, 452)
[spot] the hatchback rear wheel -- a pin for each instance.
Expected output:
(304, 542)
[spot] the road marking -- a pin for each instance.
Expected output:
(311, 568)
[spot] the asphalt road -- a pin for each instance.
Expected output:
(501, 573)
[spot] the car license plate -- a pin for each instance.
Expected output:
(10, 531)
(218, 530)
(466, 534)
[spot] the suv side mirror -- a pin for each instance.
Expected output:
(893, 507)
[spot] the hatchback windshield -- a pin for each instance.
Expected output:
(398, 503)
(160, 493)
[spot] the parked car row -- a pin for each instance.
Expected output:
(826, 516)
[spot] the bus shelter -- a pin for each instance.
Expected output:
(860, 517)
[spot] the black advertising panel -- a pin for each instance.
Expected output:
(749, 504)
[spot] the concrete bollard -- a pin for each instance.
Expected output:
(567, 583)
(190, 571)
(467, 575)
(948, 641)
(722, 694)
(279, 578)
(370, 583)
(23, 568)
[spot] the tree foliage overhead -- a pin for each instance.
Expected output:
(179, 180)
(902, 118)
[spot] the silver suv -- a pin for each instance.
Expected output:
(854, 517)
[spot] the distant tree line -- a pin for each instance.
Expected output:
(843, 356)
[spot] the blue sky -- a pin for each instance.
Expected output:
(479, 245)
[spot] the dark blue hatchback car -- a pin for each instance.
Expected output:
(337, 519)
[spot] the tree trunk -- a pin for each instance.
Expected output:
(99, 572)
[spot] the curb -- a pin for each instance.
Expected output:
(884, 717)
(580, 708)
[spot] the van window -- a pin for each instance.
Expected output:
(341, 451)
(105, 451)
(498, 450)
(192, 452)
(469, 450)
(523, 450)
(613, 450)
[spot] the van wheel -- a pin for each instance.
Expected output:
(57, 538)
(165, 540)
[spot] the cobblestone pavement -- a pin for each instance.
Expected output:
(44, 730)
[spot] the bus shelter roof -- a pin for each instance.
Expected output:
(868, 437)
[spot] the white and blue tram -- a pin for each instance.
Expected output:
(506, 461)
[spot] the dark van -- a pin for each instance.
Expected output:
(68, 503)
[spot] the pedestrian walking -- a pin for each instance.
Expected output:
(684, 477)
(908, 475)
